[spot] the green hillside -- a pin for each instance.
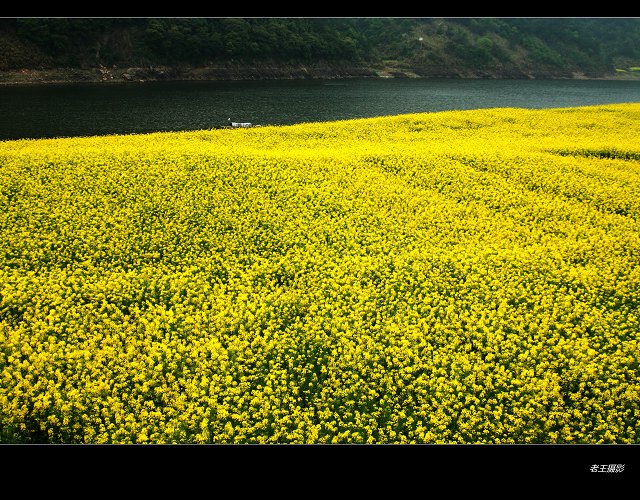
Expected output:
(262, 47)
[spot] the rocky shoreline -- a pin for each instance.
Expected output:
(102, 74)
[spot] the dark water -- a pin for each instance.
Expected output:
(37, 111)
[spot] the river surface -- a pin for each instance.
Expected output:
(52, 110)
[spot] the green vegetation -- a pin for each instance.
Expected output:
(507, 47)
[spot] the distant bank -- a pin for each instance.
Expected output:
(231, 71)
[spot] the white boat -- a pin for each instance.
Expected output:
(239, 124)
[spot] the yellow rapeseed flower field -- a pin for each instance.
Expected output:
(450, 277)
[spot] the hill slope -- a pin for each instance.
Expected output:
(240, 48)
